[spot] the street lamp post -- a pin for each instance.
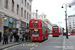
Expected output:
(66, 19)
(36, 13)
(66, 22)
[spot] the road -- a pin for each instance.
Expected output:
(51, 44)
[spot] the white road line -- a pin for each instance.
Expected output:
(63, 43)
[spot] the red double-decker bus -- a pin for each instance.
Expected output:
(55, 31)
(38, 30)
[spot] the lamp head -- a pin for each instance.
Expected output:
(62, 7)
(70, 6)
(4, 18)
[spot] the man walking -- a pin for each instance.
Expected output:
(4, 38)
(7, 37)
(0, 35)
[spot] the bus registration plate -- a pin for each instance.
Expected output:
(35, 35)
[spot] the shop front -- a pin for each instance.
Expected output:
(10, 24)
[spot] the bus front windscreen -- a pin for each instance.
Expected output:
(35, 31)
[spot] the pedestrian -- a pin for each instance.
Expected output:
(0, 35)
(17, 37)
(20, 38)
(29, 36)
(25, 36)
(11, 36)
(14, 34)
(7, 37)
(4, 38)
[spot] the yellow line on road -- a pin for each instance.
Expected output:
(36, 45)
(39, 44)
(33, 45)
(32, 48)
(23, 44)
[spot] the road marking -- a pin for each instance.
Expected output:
(33, 45)
(30, 44)
(39, 44)
(32, 48)
(36, 45)
(23, 44)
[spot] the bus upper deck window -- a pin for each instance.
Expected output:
(32, 21)
(36, 21)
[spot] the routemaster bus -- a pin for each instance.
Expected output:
(55, 30)
(38, 30)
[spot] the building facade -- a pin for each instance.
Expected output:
(49, 25)
(71, 22)
(42, 16)
(14, 11)
(33, 15)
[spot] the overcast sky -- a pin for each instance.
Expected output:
(53, 10)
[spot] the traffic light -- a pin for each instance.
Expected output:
(63, 29)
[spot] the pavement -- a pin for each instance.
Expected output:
(69, 44)
(10, 44)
